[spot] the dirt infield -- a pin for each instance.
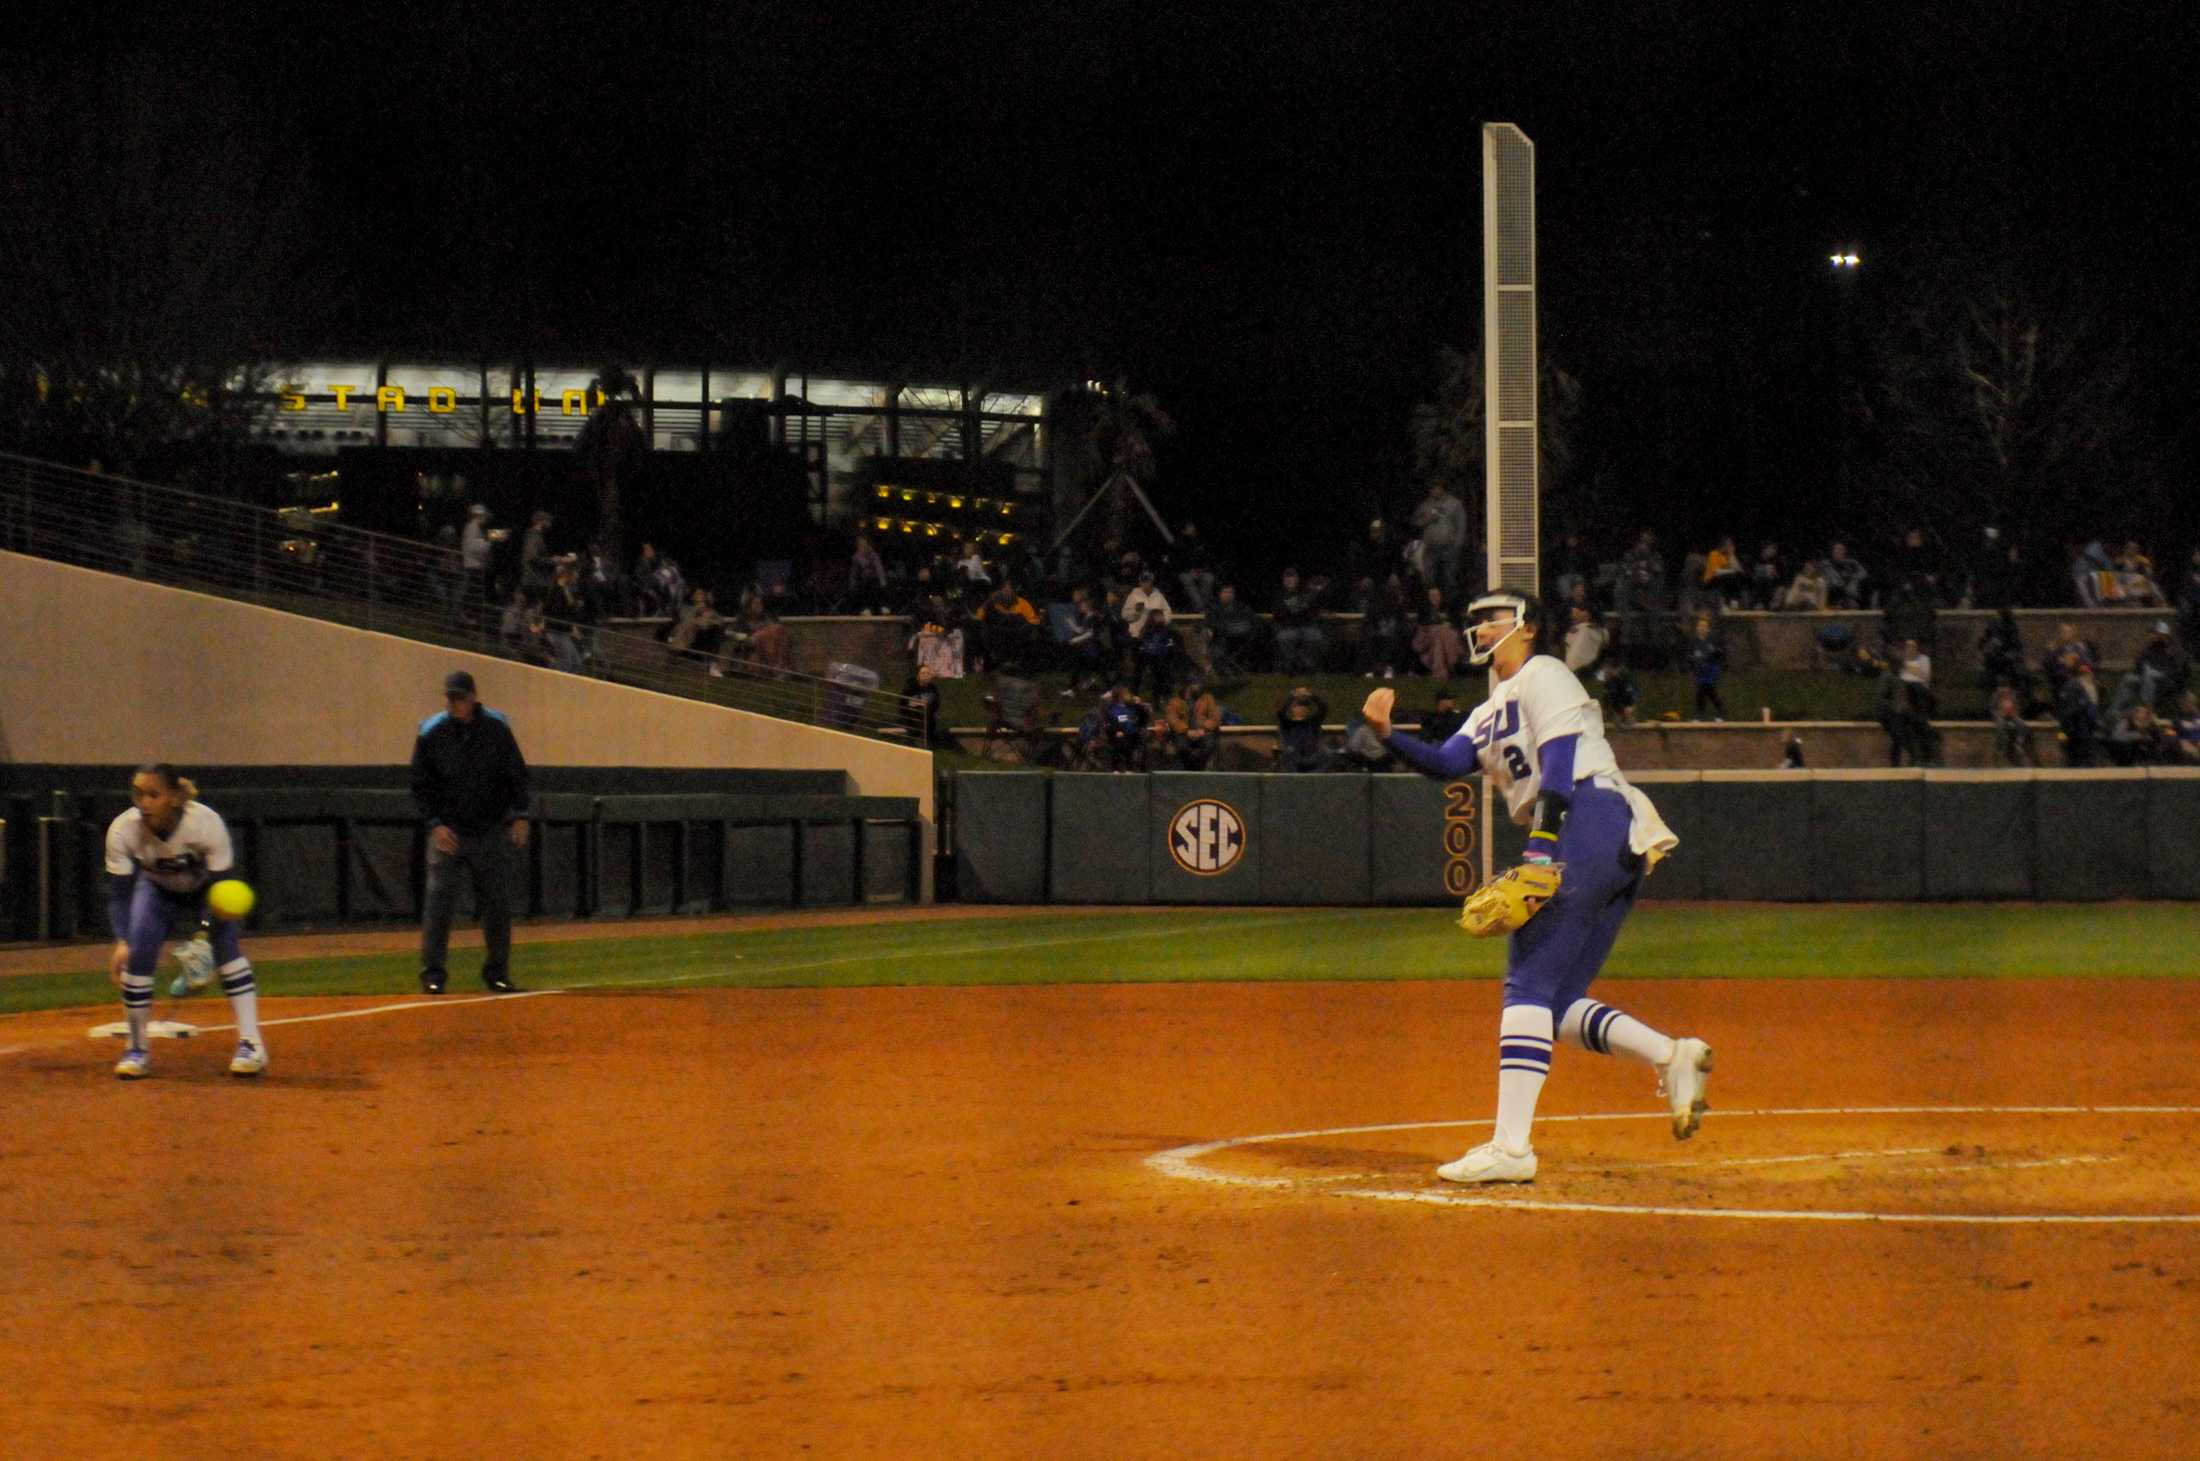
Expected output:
(927, 1221)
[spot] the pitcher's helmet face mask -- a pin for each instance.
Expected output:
(1494, 618)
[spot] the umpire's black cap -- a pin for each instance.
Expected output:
(458, 682)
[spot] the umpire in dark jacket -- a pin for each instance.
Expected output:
(470, 782)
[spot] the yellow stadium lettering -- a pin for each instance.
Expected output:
(294, 398)
(573, 403)
(343, 396)
(390, 398)
(442, 400)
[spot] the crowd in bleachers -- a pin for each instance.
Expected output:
(1153, 624)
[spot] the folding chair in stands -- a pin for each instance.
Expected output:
(1016, 722)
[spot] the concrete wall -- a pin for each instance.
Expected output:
(96, 668)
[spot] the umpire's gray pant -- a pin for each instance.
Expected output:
(487, 859)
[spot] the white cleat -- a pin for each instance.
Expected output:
(1490, 1162)
(135, 1065)
(1683, 1080)
(250, 1059)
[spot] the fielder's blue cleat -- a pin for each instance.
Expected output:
(136, 1064)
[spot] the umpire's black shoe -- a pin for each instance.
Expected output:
(499, 984)
(431, 981)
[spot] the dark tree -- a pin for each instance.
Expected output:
(148, 233)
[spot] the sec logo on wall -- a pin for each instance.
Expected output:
(1207, 837)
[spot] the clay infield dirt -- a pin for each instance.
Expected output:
(977, 1222)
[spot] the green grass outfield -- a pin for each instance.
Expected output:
(1754, 941)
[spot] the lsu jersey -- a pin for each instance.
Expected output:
(185, 861)
(1541, 702)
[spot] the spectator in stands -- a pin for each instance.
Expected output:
(1916, 568)
(600, 582)
(1916, 666)
(866, 579)
(1993, 577)
(1810, 591)
(572, 616)
(2135, 579)
(1442, 723)
(1791, 752)
(2162, 669)
(1376, 556)
(1154, 655)
(473, 555)
(2188, 606)
(1193, 722)
(756, 635)
(2012, 737)
(1441, 521)
(1236, 632)
(1566, 568)
(1706, 667)
(2186, 729)
(1083, 643)
(2001, 657)
(1363, 749)
(659, 586)
(1009, 629)
(1195, 571)
(534, 552)
(1299, 717)
(1300, 638)
(1722, 577)
(1386, 637)
(1614, 684)
(1909, 613)
(1435, 638)
(2093, 578)
(922, 714)
(970, 566)
(1143, 600)
(2137, 738)
(2065, 657)
(1906, 715)
(2078, 714)
(1585, 639)
(1845, 578)
(1765, 575)
(1123, 721)
(1641, 582)
(512, 623)
(700, 629)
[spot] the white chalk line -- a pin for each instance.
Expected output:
(1183, 1162)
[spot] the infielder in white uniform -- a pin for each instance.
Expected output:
(1540, 738)
(162, 856)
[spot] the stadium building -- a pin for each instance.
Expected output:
(403, 442)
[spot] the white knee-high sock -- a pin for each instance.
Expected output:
(244, 998)
(1523, 1061)
(137, 1005)
(1607, 1031)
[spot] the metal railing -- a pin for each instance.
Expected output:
(303, 563)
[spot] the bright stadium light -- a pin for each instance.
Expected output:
(1844, 261)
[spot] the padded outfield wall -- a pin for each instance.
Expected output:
(101, 669)
(1783, 836)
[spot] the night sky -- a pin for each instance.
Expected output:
(1268, 215)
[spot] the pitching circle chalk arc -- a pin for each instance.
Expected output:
(1187, 1163)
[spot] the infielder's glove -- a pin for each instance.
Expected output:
(1509, 900)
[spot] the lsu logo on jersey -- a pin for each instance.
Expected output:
(1499, 726)
(1206, 837)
